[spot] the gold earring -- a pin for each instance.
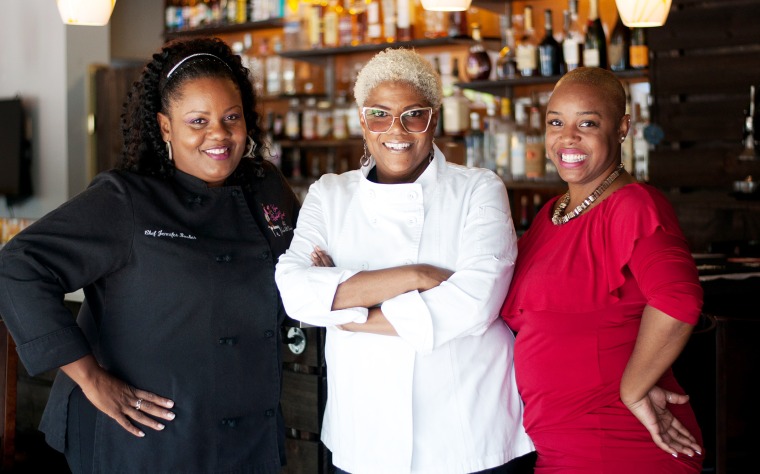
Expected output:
(169, 150)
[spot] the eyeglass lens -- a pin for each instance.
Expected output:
(413, 121)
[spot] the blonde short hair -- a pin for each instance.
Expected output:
(604, 81)
(399, 65)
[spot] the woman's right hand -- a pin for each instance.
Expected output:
(117, 399)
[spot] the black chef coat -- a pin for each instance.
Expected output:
(180, 300)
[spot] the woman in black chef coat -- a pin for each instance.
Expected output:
(172, 364)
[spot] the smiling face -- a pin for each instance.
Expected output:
(401, 156)
(206, 128)
(583, 134)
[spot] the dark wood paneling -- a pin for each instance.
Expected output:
(301, 395)
(708, 24)
(721, 72)
(305, 457)
(700, 168)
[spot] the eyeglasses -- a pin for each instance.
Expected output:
(413, 121)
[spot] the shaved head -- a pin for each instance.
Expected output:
(604, 82)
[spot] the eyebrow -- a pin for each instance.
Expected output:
(579, 114)
(227, 110)
(409, 107)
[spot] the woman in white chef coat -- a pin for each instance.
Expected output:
(406, 262)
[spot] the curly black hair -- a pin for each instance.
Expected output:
(144, 150)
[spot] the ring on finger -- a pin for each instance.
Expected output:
(138, 404)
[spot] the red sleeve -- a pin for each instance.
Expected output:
(667, 276)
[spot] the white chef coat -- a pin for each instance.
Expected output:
(441, 397)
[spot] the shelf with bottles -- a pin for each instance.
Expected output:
(503, 87)
(223, 29)
(218, 17)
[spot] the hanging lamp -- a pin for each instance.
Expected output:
(643, 13)
(446, 5)
(85, 12)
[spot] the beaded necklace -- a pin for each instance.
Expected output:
(558, 218)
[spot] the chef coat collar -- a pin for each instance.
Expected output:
(427, 179)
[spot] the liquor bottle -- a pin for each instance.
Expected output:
(293, 120)
(273, 63)
(527, 54)
(549, 49)
(517, 144)
(478, 65)
(389, 20)
(374, 22)
(315, 32)
(309, 120)
(639, 51)
(456, 113)
(595, 46)
(458, 25)
(506, 65)
(474, 143)
(291, 26)
(620, 44)
(535, 153)
(170, 15)
(748, 133)
(434, 23)
(344, 26)
(403, 20)
(524, 221)
(358, 11)
(330, 24)
(572, 44)
(340, 117)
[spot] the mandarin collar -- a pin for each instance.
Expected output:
(427, 179)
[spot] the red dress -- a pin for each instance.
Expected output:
(576, 301)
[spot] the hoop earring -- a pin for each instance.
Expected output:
(169, 150)
(364, 161)
(251, 147)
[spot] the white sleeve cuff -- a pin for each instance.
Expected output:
(411, 319)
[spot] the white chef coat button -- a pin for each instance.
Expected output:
(408, 262)
(365, 266)
(412, 196)
(412, 221)
(371, 194)
(373, 221)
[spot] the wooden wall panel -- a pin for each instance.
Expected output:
(702, 63)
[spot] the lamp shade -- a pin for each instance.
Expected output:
(85, 12)
(643, 13)
(446, 5)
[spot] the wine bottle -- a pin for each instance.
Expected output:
(549, 49)
(620, 44)
(639, 51)
(572, 44)
(478, 66)
(506, 65)
(527, 54)
(595, 46)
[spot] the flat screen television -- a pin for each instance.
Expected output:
(15, 152)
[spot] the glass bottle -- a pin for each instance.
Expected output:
(374, 22)
(620, 44)
(748, 132)
(403, 20)
(309, 120)
(456, 113)
(535, 153)
(458, 25)
(389, 20)
(527, 54)
(293, 120)
(595, 46)
(474, 143)
(506, 66)
(478, 65)
(517, 147)
(549, 49)
(330, 24)
(434, 24)
(344, 26)
(339, 118)
(572, 43)
(639, 51)
(358, 11)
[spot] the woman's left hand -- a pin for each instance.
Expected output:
(667, 432)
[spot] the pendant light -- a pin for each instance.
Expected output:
(446, 5)
(85, 12)
(643, 13)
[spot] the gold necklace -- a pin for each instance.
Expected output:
(558, 218)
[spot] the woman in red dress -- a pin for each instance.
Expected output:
(604, 298)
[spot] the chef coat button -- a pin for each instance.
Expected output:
(408, 262)
(365, 265)
(374, 221)
(228, 258)
(411, 221)
(229, 341)
(371, 194)
(269, 413)
(235, 192)
(268, 334)
(264, 255)
(219, 258)
(412, 196)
